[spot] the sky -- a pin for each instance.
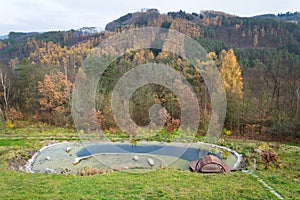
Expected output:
(46, 15)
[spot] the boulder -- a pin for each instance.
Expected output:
(135, 158)
(68, 149)
(150, 162)
(257, 151)
(50, 171)
(125, 167)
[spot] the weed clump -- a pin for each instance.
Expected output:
(91, 171)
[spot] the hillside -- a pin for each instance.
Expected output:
(258, 31)
(266, 49)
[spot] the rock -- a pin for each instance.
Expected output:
(125, 167)
(257, 150)
(77, 160)
(50, 171)
(150, 162)
(48, 158)
(68, 149)
(135, 158)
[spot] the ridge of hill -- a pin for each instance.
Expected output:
(244, 32)
(217, 28)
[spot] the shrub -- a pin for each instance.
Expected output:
(90, 171)
(9, 124)
(291, 129)
(226, 132)
(269, 157)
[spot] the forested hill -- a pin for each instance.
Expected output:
(265, 48)
(258, 31)
(288, 17)
(215, 30)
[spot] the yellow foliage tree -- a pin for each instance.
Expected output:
(231, 74)
(233, 82)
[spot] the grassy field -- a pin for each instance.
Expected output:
(18, 145)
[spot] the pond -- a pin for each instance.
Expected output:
(73, 157)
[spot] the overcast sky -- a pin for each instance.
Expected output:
(45, 15)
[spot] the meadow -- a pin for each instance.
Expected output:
(17, 145)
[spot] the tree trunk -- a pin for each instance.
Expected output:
(5, 83)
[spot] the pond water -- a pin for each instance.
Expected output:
(72, 157)
(185, 153)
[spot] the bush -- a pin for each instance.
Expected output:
(291, 129)
(9, 124)
(269, 157)
(226, 132)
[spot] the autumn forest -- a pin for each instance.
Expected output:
(258, 59)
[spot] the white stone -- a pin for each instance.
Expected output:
(150, 162)
(50, 171)
(48, 158)
(125, 167)
(68, 149)
(135, 158)
(257, 151)
(77, 160)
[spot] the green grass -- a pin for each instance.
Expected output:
(160, 184)
(284, 180)
(13, 142)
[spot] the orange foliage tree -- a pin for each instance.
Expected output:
(54, 91)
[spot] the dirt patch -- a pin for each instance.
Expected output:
(19, 161)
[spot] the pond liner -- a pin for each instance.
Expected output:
(188, 154)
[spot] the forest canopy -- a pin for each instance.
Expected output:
(258, 59)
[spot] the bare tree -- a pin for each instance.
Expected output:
(5, 87)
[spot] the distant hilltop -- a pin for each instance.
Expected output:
(82, 31)
(288, 17)
(146, 15)
(2, 37)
